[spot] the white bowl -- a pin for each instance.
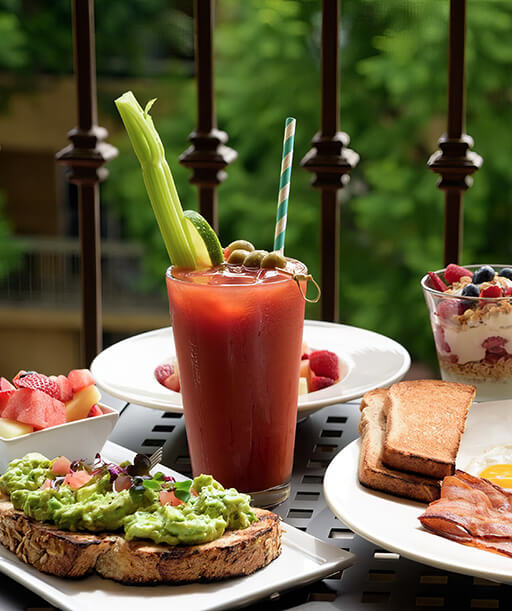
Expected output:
(78, 439)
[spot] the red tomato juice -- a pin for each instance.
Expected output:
(238, 336)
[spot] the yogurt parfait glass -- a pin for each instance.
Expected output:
(473, 333)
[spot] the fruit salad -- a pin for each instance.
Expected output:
(318, 369)
(34, 401)
(471, 317)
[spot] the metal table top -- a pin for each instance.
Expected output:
(378, 581)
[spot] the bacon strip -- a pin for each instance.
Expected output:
(473, 511)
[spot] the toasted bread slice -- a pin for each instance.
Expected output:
(425, 421)
(138, 562)
(372, 472)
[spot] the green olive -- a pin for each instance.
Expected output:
(241, 245)
(237, 257)
(272, 260)
(254, 258)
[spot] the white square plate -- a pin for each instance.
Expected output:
(304, 559)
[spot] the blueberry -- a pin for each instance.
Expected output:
(506, 272)
(483, 274)
(470, 290)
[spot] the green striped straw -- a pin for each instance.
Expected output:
(284, 184)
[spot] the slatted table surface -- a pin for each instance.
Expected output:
(378, 581)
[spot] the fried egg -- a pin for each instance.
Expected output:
(495, 464)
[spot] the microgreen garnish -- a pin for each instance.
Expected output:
(141, 465)
(151, 484)
(182, 490)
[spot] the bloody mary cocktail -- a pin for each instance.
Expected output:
(238, 336)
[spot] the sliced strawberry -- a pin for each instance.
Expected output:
(453, 273)
(167, 497)
(61, 466)
(6, 385)
(80, 378)
(324, 363)
(319, 382)
(64, 386)
(437, 283)
(38, 381)
(172, 382)
(19, 375)
(95, 411)
(163, 371)
(491, 291)
(491, 343)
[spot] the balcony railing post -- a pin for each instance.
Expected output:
(208, 155)
(330, 160)
(85, 157)
(454, 161)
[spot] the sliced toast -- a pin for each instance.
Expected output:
(425, 422)
(372, 472)
(139, 562)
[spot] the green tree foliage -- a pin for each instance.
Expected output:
(393, 104)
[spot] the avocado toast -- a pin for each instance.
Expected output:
(237, 540)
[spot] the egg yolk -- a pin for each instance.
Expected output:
(501, 475)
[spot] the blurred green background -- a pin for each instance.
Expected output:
(393, 57)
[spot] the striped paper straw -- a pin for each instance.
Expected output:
(284, 184)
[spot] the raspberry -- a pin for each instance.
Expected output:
(448, 308)
(453, 273)
(491, 291)
(508, 292)
(163, 371)
(38, 381)
(437, 283)
(319, 382)
(324, 364)
(304, 357)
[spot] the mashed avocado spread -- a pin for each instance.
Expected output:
(96, 506)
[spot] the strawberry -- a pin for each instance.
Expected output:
(64, 386)
(172, 382)
(319, 382)
(163, 371)
(508, 292)
(437, 283)
(491, 291)
(324, 363)
(38, 381)
(453, 273)
(493, 343)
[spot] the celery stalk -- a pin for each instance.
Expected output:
(158, 180)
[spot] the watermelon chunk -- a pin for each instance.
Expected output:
(80, 378)
(77, 479)
(36, 408)
(6, 385)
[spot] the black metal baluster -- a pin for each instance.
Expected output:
(208, 155)
(454, 161)
(85, 157)
(330, 160)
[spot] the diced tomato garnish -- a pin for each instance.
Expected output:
(61, 466)
(167, 497)
(77, 479)
(47, 484)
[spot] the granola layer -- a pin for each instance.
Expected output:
(480, 370)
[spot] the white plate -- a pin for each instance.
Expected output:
(393, 524)
(304, 559)
(125, 370)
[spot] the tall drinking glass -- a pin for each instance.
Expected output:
(238, 337)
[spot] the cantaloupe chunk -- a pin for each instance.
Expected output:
(303, 386)
(13, 428)
(81, 403)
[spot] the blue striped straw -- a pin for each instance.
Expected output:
(284, 184)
